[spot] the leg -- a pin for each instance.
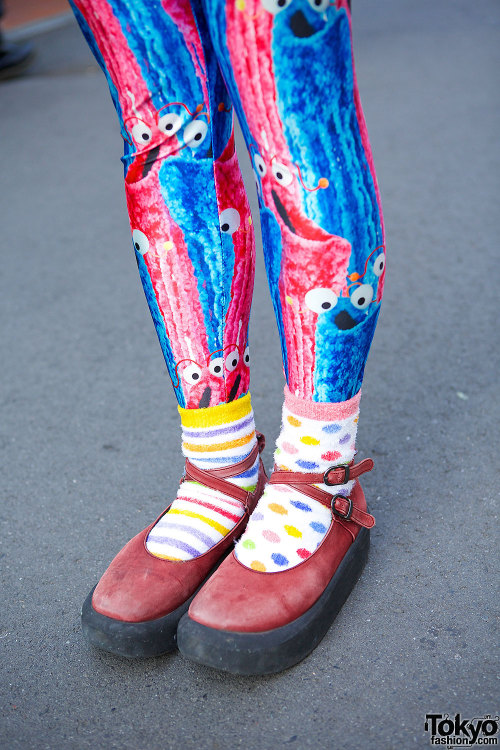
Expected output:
(189, 216)
(193, 240)
(295, 91)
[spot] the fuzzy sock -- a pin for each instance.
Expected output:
(200, 517)
(287, 526)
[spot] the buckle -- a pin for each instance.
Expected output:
(334, 468)
(336, 512)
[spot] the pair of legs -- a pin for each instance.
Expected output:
(177, 70)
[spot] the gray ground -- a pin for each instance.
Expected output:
(89, 430)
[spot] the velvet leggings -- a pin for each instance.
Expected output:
(177, 70)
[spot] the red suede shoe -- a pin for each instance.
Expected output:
(247, 622)
(136, 606)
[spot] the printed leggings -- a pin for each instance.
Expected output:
(176, 69)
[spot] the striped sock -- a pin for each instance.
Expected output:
(200, 517)
(287, 526)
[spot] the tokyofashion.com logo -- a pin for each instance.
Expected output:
(453, 731)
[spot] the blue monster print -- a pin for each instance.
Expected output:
(344, 330)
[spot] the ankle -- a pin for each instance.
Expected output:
(288, 525)
(316, 436)
(221, 436)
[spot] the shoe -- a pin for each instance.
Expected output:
(249, 622)
(136, 606)
(14, 58)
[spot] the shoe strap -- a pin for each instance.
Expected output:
(340, 505)
(215, 479)
(332, 476)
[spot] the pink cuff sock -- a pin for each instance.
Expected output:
(323, 411)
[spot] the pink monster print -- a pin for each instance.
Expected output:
(155, 136)
(311, 258)
(156, 139)
(151, 133)
(235, 221)
(161, 243)
(200, 380)
(225, 369)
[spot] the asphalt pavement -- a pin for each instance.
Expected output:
(89, 430)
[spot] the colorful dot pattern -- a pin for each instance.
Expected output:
(287, 527)
(282, 534)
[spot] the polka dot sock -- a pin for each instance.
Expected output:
(200, 517)
(287, 526)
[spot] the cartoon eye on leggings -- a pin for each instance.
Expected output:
(319, 5)
(232, 360)
(246, 356)
(284, 175)
(141, 133)
(275, 6)
(216, 367)
(281, 174)
(229, 220)
(377, 268)
(260, 165)
(362, 296)
(192, 373)
(195, 132)
(379, 264)
(141, 242)
(320, 300)
(170, 123)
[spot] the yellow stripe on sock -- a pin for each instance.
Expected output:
(167, 557)
(192, 447)
(217, 526)
(216, 415)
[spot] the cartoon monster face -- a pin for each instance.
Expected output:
(364, 290)
(303, 18)
(198, 381)
(344, 327)
(281, 187)
(153, 137)
(168, 121)
(233, 362)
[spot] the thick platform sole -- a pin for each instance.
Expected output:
(136, 640)
(133, 640)
(275, 650)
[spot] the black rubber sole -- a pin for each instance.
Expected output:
(136, 640)
(133, 640)
(275, 650)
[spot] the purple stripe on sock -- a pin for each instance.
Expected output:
(194, 532)
(221, 459)
(177, 544)
(219, 431)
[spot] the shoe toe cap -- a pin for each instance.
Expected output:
(138, 587)
(242, 600)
